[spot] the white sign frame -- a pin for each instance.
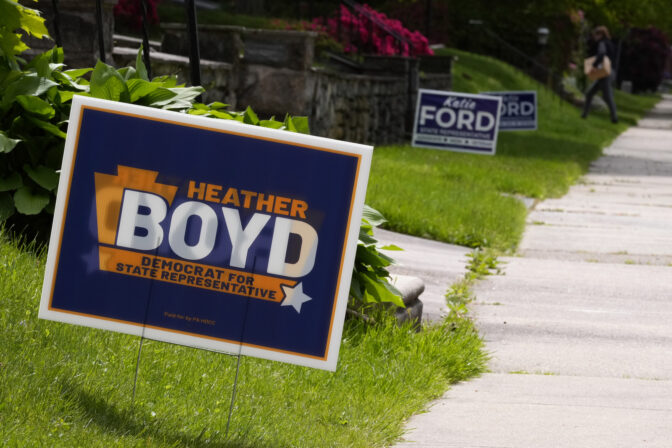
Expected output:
(303, 141)
(460, 94)
(517, 92)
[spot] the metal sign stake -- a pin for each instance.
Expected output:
(137, 369)
(142, 337)
(233, 397)
(240, 350)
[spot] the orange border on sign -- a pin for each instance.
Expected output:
(213, 129)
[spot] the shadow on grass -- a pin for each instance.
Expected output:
(127, 423)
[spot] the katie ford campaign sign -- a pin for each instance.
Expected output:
(456, 121)
(205, 232)
(519, 110)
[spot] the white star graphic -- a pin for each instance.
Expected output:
(294, 296)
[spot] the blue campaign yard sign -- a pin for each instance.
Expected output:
(519, 110)
(204, 232)
(456, 121)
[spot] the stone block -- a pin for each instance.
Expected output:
(436, 81)
(412, 312)
(409, 287)
(216, 43)
(274, 91)
(275, 48)
(436, 64)
(79, 31)
(278, 48)
(388, 65)
(121, 40)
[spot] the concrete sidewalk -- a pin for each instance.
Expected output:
(580, 324)
(439, 265)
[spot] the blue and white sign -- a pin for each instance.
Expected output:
(204, 232)
(519, 110)
(456, 121)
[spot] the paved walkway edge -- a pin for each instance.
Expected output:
(580, 324)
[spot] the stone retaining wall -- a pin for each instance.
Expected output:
(277, 48)
(274, 72)
(436, 81)
(79, 31)
(359, 108)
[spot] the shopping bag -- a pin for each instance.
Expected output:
(601, 71)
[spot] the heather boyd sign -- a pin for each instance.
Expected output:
(203, 232)
(456, 121)
(519, 110)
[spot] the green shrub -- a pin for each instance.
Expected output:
(16, 19)
(34, 115)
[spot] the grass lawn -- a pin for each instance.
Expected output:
(65, 386)
(465, 199)
(69, 386)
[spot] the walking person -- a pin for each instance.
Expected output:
(601, 47)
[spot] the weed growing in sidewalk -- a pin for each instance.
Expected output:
(482, 262)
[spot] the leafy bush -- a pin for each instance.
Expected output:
(369, 279)
(644, 58)
(130, 12)
(34, 111)
(15, 17)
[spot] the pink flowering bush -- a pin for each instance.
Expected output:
(130, 12)
(368, 35)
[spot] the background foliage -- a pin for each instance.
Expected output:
(568, 21)
(130, 12)
(448, 22)
(644, 55)
(16, 19)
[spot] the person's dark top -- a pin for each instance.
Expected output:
(600, 49)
